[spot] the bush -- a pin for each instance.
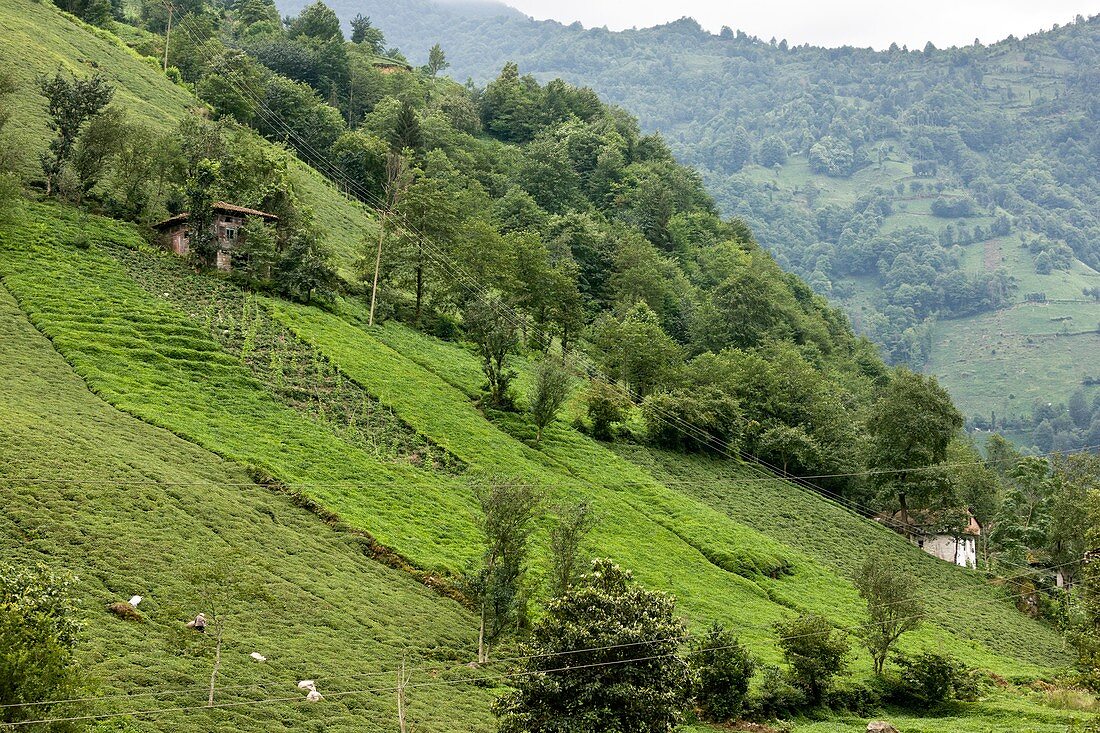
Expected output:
(606, 406)
(720, 669)
(931, 679)
(815, 652)
(777, 697)
(862, 700)
(126, 612)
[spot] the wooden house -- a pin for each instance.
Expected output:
(175, 232)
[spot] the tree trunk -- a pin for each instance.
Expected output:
(482, 654)
(905, 514)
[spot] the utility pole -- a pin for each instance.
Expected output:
(168, 37)
(378, 262)
(395, 184)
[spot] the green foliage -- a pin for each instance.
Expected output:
(714, 416)
(912, 423)
(574, 522)
(489, 325)
(70, 103)
(611, 645)
(549, 392)
(362, 31)
(894, 606)
(776, 696)
(815, 652)
(316, 21)
(508, 513)
(605, 406)
(199, 190)
(929, 679)
(38, 637)
(720, 669)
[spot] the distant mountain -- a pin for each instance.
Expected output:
(941, 196)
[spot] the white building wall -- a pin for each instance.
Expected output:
(962, 551)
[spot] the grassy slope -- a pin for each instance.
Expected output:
(145, 503)
(38, 39)
(154, 361)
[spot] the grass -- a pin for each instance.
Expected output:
(130, 508)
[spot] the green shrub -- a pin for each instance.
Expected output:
(606, 406)
(720, 669)
(714, 416)
(815, 652)
(931, 679)
(777, 697)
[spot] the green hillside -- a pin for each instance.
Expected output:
(39, 39)
(160, 420)
(831, 155)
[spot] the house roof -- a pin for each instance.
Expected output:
(217, 206)
(927, 522)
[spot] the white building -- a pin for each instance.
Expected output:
(960, 549)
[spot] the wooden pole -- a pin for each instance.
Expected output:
(377, 267)
(167, 37)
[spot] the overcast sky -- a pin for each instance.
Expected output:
(874, 23)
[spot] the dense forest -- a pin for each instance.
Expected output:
(870, 174)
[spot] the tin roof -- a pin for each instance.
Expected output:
(217, 206)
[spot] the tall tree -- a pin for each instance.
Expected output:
(507, 518)
(549, 393)
(316, 21)
(490, 324)
(603, 658)
(815, 652)
(894, 606)
(70, 103)
(911, 425)
(200, 219)
(573, 524)
(363, 32)
(437, 60)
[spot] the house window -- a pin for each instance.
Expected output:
(230, 234)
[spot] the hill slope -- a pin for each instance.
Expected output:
(39, 39)
(202, 388)
(835, 155)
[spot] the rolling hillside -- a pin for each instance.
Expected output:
(1009, 126)
(156, 423)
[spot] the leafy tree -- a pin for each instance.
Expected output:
(911, 425)
(258, 249)
(715, 419)
(303, 270)
(603, 658)
(814, 651)
(773, 151)
(720, 669)
(70, 103)
(606, 406)
(510, 106)
(316, 21)
(490, 325)
(550, 391)
(506, 520)
(573, 525)
(364, 33)
(894, 606)
(437, 60)
(406, 133)
(38, 637)
(637, 350)
(200, 221)
(740, 149)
